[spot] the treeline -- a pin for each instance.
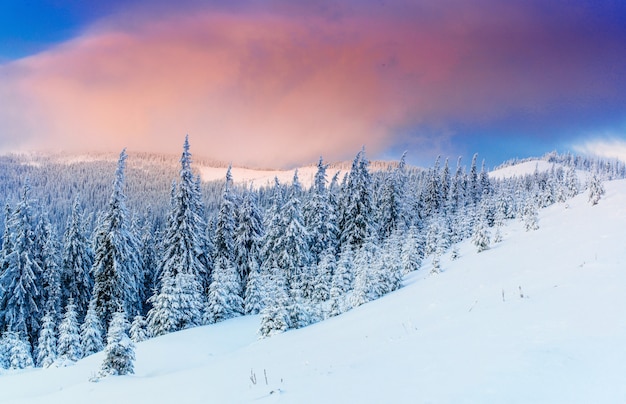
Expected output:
(209, 253)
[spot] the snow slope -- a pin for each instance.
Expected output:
(259, 178)
(537, 318)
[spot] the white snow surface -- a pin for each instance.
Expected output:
(463, 336)
(521, 169)
(259, 178)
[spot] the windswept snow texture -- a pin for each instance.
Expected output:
(539, 317)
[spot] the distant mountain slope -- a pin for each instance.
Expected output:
(538, 317)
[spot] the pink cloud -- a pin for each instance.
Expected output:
(281, 89)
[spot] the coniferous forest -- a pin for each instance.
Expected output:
(98, 257)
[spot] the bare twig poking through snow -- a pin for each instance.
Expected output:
(265, 373)
(521, 294)
(503, 295)
(252, 377)
(472, 307)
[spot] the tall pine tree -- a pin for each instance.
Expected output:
(117, 263)
(183, 269)
(20, 281)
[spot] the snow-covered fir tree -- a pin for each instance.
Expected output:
(224, 293)
(178, 305)
(356, 214)
(596, 189)
(292, 245)
(530, 215)
(20, 280)
(274, 225)
(454, 252)
(324, 271)
(481, 236)
(117, 262)
(248, 237)
(366, 278)
(119, 353)
(389, 269)
(149, 233)
(275, 315)
(255, 289)
(572, 184)
(91, 333)
(224, 240)
(69, 348)
(342, 282)
(48, 259)
(183, 272)
(411, 256)
(47, 342)
(16, 351)
(319, 216)
(138, 329)
(76, 262)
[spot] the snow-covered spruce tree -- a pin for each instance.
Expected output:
(319, 216)
(91, 333)
(20, 281)
(292, 245)
(76, 262)
(224, 240)
(180, 299)
(342, 281)
(474, 190)
(47, 343)
(356, 215)
(138, 328)
(481, 236)
(366, 280)
(389, 269)
(432, 193)
(530, 215)
(69, 348)
(117, 262)
(411, 256)
(178, 305)
(47, 247)
(206, 228)
(433, 234)
(17, 351)
(275, 316)
(255, 289)
(572, 184)
(273, 224)
(7, 233)
(224, 293)
(248, 237)
(454, 253)
(324, 275)
(458, 184)
(149, 233)
(119, 353)
(302, 312)
(596, 189)
(436, 263)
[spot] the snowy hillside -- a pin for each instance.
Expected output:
(521, 169)
(209, 170)
(539, 317)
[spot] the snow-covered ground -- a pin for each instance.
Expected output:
(521, 169)
(259, 178)
(539, 317)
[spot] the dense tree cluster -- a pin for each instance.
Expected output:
(209, 253)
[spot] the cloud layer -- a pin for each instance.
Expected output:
(281, 87)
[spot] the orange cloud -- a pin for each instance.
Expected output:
(279, 89)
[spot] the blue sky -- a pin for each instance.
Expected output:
(279, 83)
